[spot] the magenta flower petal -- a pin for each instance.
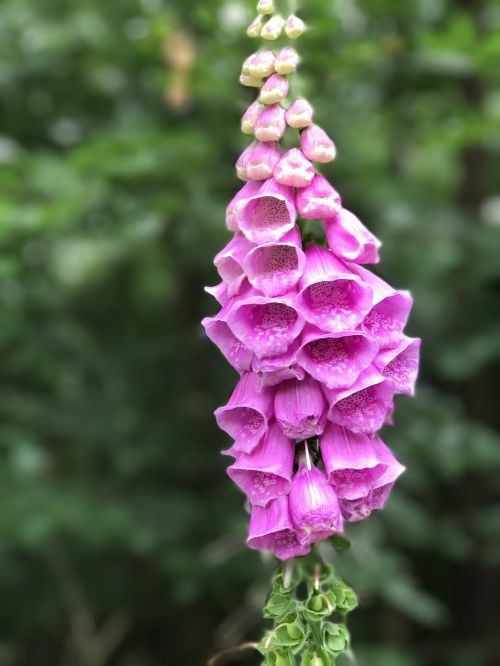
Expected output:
(300, 114)
(350, 240)
(234, 351)
(274, 90)
(314, 506)
(246, 415)
(317, 145)
(250, 116)
(266, 473)
(229, 262)
(271, 529)
(352, 461)
(247, 191)
(401, 364)
(388, 317)
(300, 408)
(262, 159)
(332, 297)
(219, 292)
(273, 370)
(269, 214)
(271, 124)
(294, 169)
(266, 326)
(363, 406)
(318, 200)
(242, 161)
(335, 359)
(275, 268)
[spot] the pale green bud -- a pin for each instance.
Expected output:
(273, 28)
(294, 27)
(255, 27)
(265, 7)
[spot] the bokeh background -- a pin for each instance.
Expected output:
(121, 539)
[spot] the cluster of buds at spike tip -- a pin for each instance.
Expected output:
(317, 339)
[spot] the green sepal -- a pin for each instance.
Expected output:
(345, 597)
(335, 638)
(291, 633)
(314, 658)
(278, 583)
(340, 542)
(280, 658)
(326, 579)
(279, 605)
(320, 605)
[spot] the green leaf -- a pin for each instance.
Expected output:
(278, 605)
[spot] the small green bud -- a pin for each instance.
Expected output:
(281, 661)
(316, 603)
(294, 631)
(265, 7)
(273, 28)
(255, 27)
(294, 27)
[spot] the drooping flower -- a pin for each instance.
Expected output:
(242, 161)
(250, 116)
(300, 408)
(247, 191)
(262, 159)
(317, 145)
(401, 364)
(229, 262)
(318, 200)
(220, 334)
(268, 214)
(271, 124)
(300, 114)
(272, 370)
(350, 240)
(294, 169)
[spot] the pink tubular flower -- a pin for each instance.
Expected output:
(242, 161)
(286, 61)
(266, 326)
(294, 169)
(331, 296)
(300, 114)
(401, 364)
(275, 268)
(261, 160)
(350, 240)
(273, 370)
(300, 408)
(335, 359)
(364, 406)
(267, 215)
(317, 145)
(266, 472)
(271, 529)
(388, 317)
(247, 191)
(219, 292)
(229, 262)
(318, 200)
(274, 90)
(250, 116)
(314, 506)
(246, 415)
(270, 125)
(220, 334)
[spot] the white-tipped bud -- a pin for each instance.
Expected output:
(273, 28)
(294, 27)
(286, 61)
(265, 7)
(250, 81)
(250, 116)
(300, 114)
(261, 64)
(255, 27)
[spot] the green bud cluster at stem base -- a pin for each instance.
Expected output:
(307, 604)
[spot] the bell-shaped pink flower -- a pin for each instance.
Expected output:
(331, 296)
(260, 64)
(286, 61)
(354, 462)
(317, 145)
(219, 292)
(401, 364)
(220, 334)
(268, 214)
(362, 407)
(266, 472)
(300, 114)
(314, 506)
(247, 191)
(335, 359)
(246, 415)
(390, 312)
(272, 530)
(262, 159)
(270, 125)
(294, 169)
(273, 370)
(274, 90)
(250, 116)
(300, 408)
(242, 161)
(266, 326)
(318, 200)
(350, 240)
(275, 268)
(229, 262)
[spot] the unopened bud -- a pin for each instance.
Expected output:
(317, 145)
(261, 160)
(273, 28)
(250, 81)
(286, 61)
(242, 161)
(250, 116)
(294, 27)
(255, 27)
(274, 90)
(300, 114)
(281, 661)
(261, 64)
(271, 124)
(316, 661)
(265, 7)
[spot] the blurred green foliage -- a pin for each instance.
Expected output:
(121, 539)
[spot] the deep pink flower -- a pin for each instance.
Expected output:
(300, 114)
(270, 125)
(317, 145)
(294, 169)
(318, 200)
(247, 191)
(242, 162)
(229, 262)
(350, 240)
(220, 334)
(300, 408)
(268, 214)
(262, 159)
(273, 370)
(401, 364)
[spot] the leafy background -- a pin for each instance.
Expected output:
(121, 539)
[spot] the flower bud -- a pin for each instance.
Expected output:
(273, 28)
(300, 408)
(274, 90)
(318, 200)
(317, 145)
(300, 114)
(255, 27)
(294, 27)
(350, 240)
(262, 160)
(286, 61)
(241, 162)
(265, 7)
(250, 116)
(261, 64)
(250, 81)
(294, 169)
(271, 124)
